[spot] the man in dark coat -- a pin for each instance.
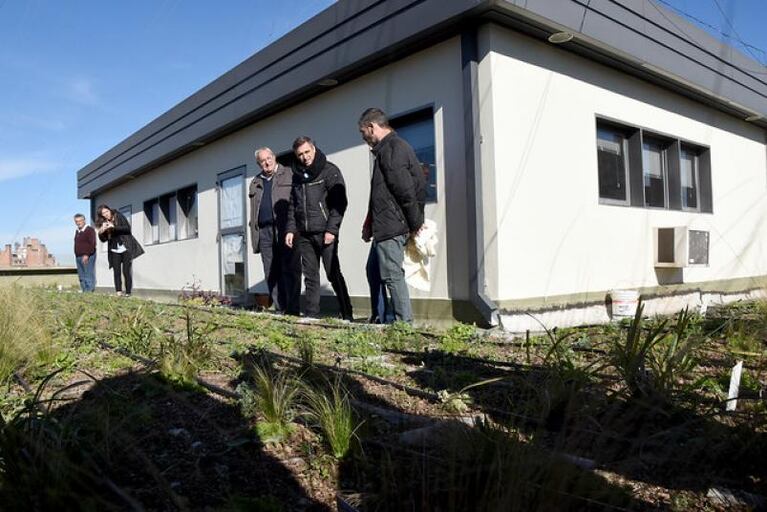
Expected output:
(316, 210)
(269, 205)
(396, 206)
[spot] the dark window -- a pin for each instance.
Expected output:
(151, 221)
(187, 212)
(286, 159)
(127, 212)
(417, 129)
(688, 178)
(171, 217)
(654, 172)
(611, 154)
(641, 168)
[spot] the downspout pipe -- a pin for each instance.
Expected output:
(472, 138)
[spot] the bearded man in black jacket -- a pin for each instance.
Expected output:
(396, 205)
(317, 207)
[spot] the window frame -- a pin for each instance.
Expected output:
(695, 152)
(625, 149)
(421, 113)
(664, 144)
(672, 155)
(157, 200)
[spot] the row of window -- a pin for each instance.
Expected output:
(638, 167)
(172, 216)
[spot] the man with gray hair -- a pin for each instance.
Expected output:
(396, 206)
(269, 204)
(85, 253)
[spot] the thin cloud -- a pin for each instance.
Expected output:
(81, 90)
(13, 168)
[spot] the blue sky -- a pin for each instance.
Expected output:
(78, 76)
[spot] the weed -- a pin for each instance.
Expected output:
(456, 340)
(274, 398)
(672, 358)
(134, 329)
(358, 343)
(630, 354)
(401, 336)
(24, 340)
(333, 414)
(276, 337)
(181, 357)
(305, 346)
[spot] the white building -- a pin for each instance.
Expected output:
(560, 136)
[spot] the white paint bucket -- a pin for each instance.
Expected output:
(624, 303)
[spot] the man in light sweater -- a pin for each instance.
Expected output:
(85, 253)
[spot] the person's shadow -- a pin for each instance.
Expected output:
(133, 442)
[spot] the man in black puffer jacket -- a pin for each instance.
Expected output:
(317, 207)
(396, 207)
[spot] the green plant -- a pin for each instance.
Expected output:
(332, 412)
(43, 463)
(673, 356)
(305, 346)
(278, 338)
(456, 340)
(181, 357)
(24, 339)
(274, 398)
(630, 353)
(401, 336)
(460, 401)
(134, 329)
(358, 343)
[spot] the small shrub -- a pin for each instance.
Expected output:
(456, 340)
(274, 398)
(134, 329)
(333, 414)
(630, 354)
(181, 357)
(305, 346)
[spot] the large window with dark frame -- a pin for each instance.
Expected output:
(638, 167)
(172, 216)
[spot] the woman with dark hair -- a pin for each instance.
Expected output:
(113, 228)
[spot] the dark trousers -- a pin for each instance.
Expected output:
(282, 270)
(313, 249)
(122, 262)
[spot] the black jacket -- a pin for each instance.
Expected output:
(282, 181)
(120, 234)
(318, 198)
(397, 189)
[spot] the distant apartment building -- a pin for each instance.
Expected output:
(30, 253)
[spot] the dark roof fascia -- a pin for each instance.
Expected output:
(642, 38)
(353, 37)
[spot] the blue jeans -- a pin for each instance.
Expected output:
(380, 310)
(87, 272)
(391, 254)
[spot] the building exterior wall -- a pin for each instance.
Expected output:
(554, 236)
(431, 77)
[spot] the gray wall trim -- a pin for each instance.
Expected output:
(353, 37)
(477, 283)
